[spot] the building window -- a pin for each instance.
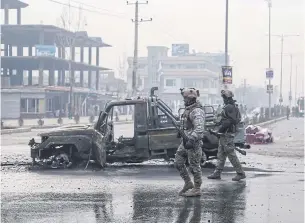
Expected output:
(23, 105)
(29, 105)
(192, 83)
(49, 105)
(191, 66)
(141, 66)
(201, 66)
(170, 82)
(205, 84)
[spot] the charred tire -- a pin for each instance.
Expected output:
(204, 159)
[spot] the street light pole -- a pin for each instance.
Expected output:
(226, 37)
(290, 93)
(226, 33)
(269, 6)
(282, 46)
(281, 82)
(296, 85)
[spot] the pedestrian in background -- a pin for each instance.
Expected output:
(287, 112)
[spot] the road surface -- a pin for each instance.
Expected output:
(272, 192)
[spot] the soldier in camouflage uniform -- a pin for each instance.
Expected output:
(230, 117)
(193, 125)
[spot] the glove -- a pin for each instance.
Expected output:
(189, 144)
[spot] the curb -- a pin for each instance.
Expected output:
(29, 129)
(16, 130)
(270, 122)
(46, 126)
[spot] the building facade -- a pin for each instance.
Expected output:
(170, 73)
(40, 74)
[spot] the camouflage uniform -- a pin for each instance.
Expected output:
(193, 124)
(226, 146)
(226, 149)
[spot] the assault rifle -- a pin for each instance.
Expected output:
(176, 123)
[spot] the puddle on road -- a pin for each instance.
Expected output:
(221, 201)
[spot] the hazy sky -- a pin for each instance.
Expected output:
(197, 22)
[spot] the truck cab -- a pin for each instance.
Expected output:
(154, 130)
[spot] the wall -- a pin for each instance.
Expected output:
(10, 105)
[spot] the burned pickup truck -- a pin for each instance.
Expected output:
(155, 129)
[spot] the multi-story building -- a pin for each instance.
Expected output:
(201, 71)
(37, 77)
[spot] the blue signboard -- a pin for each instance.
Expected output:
(180, 49)
(269, 73)
(227, 75)
(45, 50)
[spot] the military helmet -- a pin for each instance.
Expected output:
(190, 92)
(227, 93)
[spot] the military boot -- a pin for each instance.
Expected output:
(239, 177)
(187, 186)
(215, 175)
(193, 192)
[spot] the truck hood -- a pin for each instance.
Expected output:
(70, 130)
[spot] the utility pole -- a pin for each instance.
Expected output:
(282, 46)
(226, 38)
(70, 68)
(303, 94)
(296, 85)
(135, 53)
(244, 92)
(226, 33)
(269, 6)
(290, 93)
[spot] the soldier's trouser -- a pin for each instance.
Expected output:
(194, 157)
(226, 149)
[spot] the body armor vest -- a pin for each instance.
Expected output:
(186, 121)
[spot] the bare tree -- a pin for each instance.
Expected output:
(67, 38)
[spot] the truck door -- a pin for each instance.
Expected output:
(140, 129)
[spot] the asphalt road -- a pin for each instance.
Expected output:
(272, 192)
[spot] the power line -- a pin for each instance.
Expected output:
(92, 6)
(122, 16)
(88, 10)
